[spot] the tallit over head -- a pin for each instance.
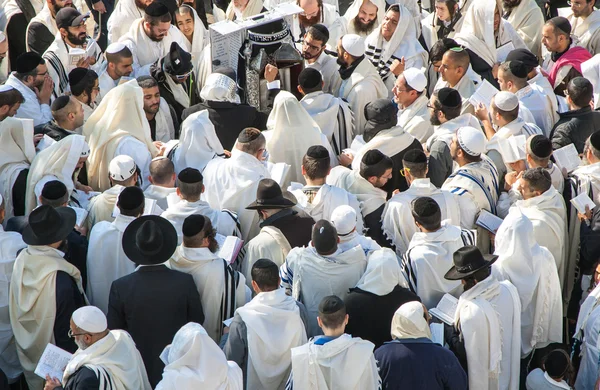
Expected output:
(198, 143)
(409, 322)
(382, 274)
(477, 31)
(254, 7)
(354, 9)
(220, 88)
(200, 37)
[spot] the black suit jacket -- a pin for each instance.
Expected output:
(152, 304)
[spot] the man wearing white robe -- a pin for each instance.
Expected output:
(527, 19)
(313, 52)
(362, 17)
(118, 64)
(585, 21)
(317, 11)
(222, 290)
(398, 223)
(189, 189)
(124, 13)
(106, 261)
(411, 97)
(162, 182)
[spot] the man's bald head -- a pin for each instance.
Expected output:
(162, 172)
(458, 58)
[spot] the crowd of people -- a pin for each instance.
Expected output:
(417, 208)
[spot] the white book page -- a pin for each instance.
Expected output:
(483, 95)
(513, 148)
(437, 333)
(75, 55)
(53, 362)
(502, 51)
(45, 142)
(81, 215)
(567, 157)
(229, 247)
(445, 309)
(488, 221)
(582, 200)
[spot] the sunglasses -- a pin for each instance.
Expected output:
(183, 76)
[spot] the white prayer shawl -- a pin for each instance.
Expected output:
(114, 359)
(466, 88)
(397, 221)
(44, 17)
(106, 260)
(427, 260)
(370, 197)
(253, 7)
(344, 363)
(4, 70)
(389, 142)
(414, 7)
(177, 90)
(221, 289)
(542, 84)
(18, 152)
(165, 131)
(548, 215)
(587, 30)
(446, 131)
(527, 19)
(146, 51)
(101, 207)
(274, 327)
(514, 128)
(31, 107)
(330, 18)
(10, 8)
(195, 361)
(532, 270)
(333, 116)
(354, 9)
(231, 184)
(382, 274)
(587, 330)
(480, 179)
(198, 143)
(106, 83)
(488, 316)
(125, 12)
(58, 160)
(270, 244)
(539, 106)
(362, 87)
(199, 39)
(223, 222)
(32, 303)
(590, 69)
(329, 69)
(159, 194)
(415, 119)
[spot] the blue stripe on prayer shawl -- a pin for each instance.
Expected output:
(483, 188)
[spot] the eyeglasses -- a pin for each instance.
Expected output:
(43, 74)
(576, 5)
(404, 171)
(311, 47)
(432, 107)
(183, 76)
(71, 334)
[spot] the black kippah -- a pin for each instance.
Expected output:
(449, 97)
(156, 9)
(381, 111)
(324, 237)
(518, 69)
(426, 211)
(556, 363)
(130, 198)
(540, 146)
(27, 62)
(525, 56)
(317, 152)
(54, 190)
(561, 23)
(322, 29)
(190, 176)
(60, 102)
(595, 140)
(373, 157)
(415, 156)
(331, 304)
(77, 75)
(193, 225)
(310, 78)
(248, 135)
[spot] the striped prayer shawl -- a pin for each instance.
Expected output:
(106, 382)
(228, 301)
(58, 67)
(374, 55)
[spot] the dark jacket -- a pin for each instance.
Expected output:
(398, 182)
(156, 71)
(230, 119)
(83, 379)
(295, 226)
(39, 38)
(372, 222)
(440, 163)
(152, 304)
(419, 364)
(574, 127)
(371, 315)
(68, 299)
(52, 130)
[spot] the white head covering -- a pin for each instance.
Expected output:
(115, 47)
(354, 44)
(354, 9)
(200, 37)
(409, 322)
(198, 143)
(471, 140)
(254, 7)
(220, 88)
(382, 274)
(121, 168)
(4, 87)
(415, 78)
(90, 319)
(477, 31)
(194, 361)
(344, 219)
(506, 101)
(413, 7)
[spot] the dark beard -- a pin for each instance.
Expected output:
(341, 62)
(510, 4)
(74, 39)
(309, 22)
(469, 284)
(140, 5)
(213, 245)
(434, 119)
(360, 27)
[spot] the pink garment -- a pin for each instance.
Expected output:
(575, 56)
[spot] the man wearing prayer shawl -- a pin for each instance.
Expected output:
(563, 63)
(545, 207)
(18, 152)
(162, 181)
(106, 260)
(362, 17)
(44, 290)
(105, 358)
(61, 161)
(361, 82)
(332, 114)
(412, 360)
(118, 64)
(344, 218)
(10, 101)
(486, 335)
(192, 27)
(282, 227)
(394, 44)
(149, 38)
(68, 117)
(317, 11)
(264, 331)
(3, 57)
(85, 88)
(377, 295)
(526, 17)
(430, 252)
(587, 333)
(162, 118)
(585, 22)
(42, 28)
(532, 270)
(411, 97)
(222, 290)
(71, 35)
(315, 57)
(232, 183)
(335, 359)
(310, 273)
(124, 13)
(366, 184)
(195, 361)
(454, 74)
(118, 127)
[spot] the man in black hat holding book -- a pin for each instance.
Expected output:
(154, 302)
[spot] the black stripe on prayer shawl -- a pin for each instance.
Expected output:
(228, 300)
(340, 144)
(468, 237)
(383, 67)
(408, 270)
(60, 70)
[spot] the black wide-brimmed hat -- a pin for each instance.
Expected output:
(149, 240)
(269, 196)
(48, 225)
(468, 260)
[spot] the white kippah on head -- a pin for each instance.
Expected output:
(115, 48)
(471, 140)
(90, 319)
(354, 44)
(5, 88)
(344, 219)
(121, 168)
(2, 36)
(415, 79)
(506, 101)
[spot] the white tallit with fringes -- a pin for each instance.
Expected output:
(370, 197)
(389, 142)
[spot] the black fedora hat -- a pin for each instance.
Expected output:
(47, 225)
(269, 196)
(149, 240)
(467, 261)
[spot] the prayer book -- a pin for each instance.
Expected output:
(229, 247)
(483, 95)
(488, 221)
(83, 198)
(75, 55)
(279, 171)
(53, 362)
(582, 200)
(44, 143)
(512, 149)
(81, 215)
(502, 51)
(445, 309)
(437, 333)
(567, 157)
